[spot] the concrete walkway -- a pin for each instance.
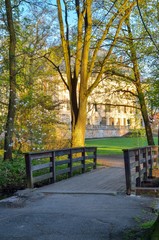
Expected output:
(91, 206)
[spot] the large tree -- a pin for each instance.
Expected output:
(8, 144)
(137, 46)
(25, 32)
(96, 30)
(138, 84)
(135, 78)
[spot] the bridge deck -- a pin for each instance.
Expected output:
(103, 180)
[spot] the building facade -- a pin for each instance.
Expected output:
(110, 112)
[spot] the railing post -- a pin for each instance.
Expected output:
(151, 163)
(70, 163)
(157, 164)
(145, 164)
(137, 159)
(29, 174)
(95, 159)
(156, 155)
(84, 160)
(53, 167)
(127, 171)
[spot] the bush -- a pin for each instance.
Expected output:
(12, 176)
(138, 133)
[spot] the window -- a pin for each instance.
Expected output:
(95, 106)
(107, 108)
(118, 122)
(111, 121)
(131, 110)
(128, 121)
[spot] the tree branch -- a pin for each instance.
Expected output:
(118, 105)
(126, 14)
(3, 103)
(48, 106)
(148, 32)
(115, 73)
(126, 91)
(58, 70)
(65, 44)
(100, 41)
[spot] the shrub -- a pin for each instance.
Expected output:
(12, 175)
(138, 133)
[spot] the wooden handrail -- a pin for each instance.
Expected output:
(44, 165)
(139, 163)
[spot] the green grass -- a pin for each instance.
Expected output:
(114, 145)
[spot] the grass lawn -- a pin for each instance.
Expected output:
(114, 146)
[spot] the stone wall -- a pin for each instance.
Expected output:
(105, 131)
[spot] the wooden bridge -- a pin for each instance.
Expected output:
(52, 166)
(113, 178)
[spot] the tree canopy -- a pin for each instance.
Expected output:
(79, 42)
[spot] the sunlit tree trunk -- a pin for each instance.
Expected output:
(79, 123)
(77, 83)
(8, 143)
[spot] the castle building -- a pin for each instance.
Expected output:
(110, 112)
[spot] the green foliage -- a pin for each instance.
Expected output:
(138, 133)
(147, 225)
(12, 175)
(144, 231)
(153, 92)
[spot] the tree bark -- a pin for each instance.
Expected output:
(144, 112)
(8, 142)
(79, 125)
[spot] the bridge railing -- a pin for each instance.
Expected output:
(139, 163)
(48, 165)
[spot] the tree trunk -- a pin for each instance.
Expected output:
(144, 112)
(78, 134)
(137, 83)
(8, 142)
(79, 128)
(79, 117)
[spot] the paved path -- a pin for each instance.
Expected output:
(91, 206)
(75, 217)
(111, 161)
